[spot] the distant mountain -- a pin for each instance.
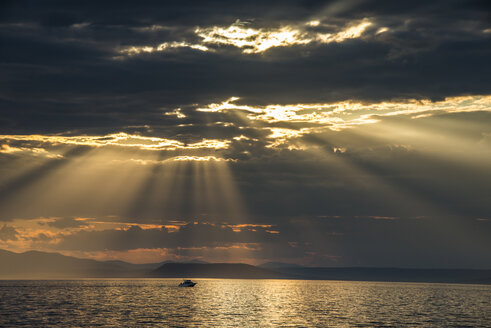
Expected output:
(33, 264)
(389, 274)
(149, 266)
(214, 270)
(41, 265)
(279, 265)
(190, 261)
(197, 261)
(131, 266)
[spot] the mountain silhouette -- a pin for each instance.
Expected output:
(214, 270)
(42, 265)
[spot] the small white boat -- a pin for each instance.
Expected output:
(187, 283)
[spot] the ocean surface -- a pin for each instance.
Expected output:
(241, 303)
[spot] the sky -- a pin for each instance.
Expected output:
(321, 133)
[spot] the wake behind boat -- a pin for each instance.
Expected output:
(187, 283)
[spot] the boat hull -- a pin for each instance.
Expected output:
(187, 285)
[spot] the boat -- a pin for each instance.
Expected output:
(187, 283)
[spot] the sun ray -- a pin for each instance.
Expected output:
(396, 200)
(36, 183)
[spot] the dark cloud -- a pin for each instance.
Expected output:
(8, 233)
(64, 76)
(189, 236)
(336, 241)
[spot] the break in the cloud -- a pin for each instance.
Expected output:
(252, 40)
(321, 132)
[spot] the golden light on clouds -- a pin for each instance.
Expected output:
(135, 50)
(177, 113)
(184, 158)
(240, 227)
(310, 118)
(35, 151)
(317, 117)
(255, 40)
(200, 159)
(352, 32)
(382, 30)
(118, 139)
(339, 115)
(252, 40)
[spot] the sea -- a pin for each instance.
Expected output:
(241, 303)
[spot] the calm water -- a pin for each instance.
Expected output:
(242, 303)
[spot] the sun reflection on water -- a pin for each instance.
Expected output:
(242, 303)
